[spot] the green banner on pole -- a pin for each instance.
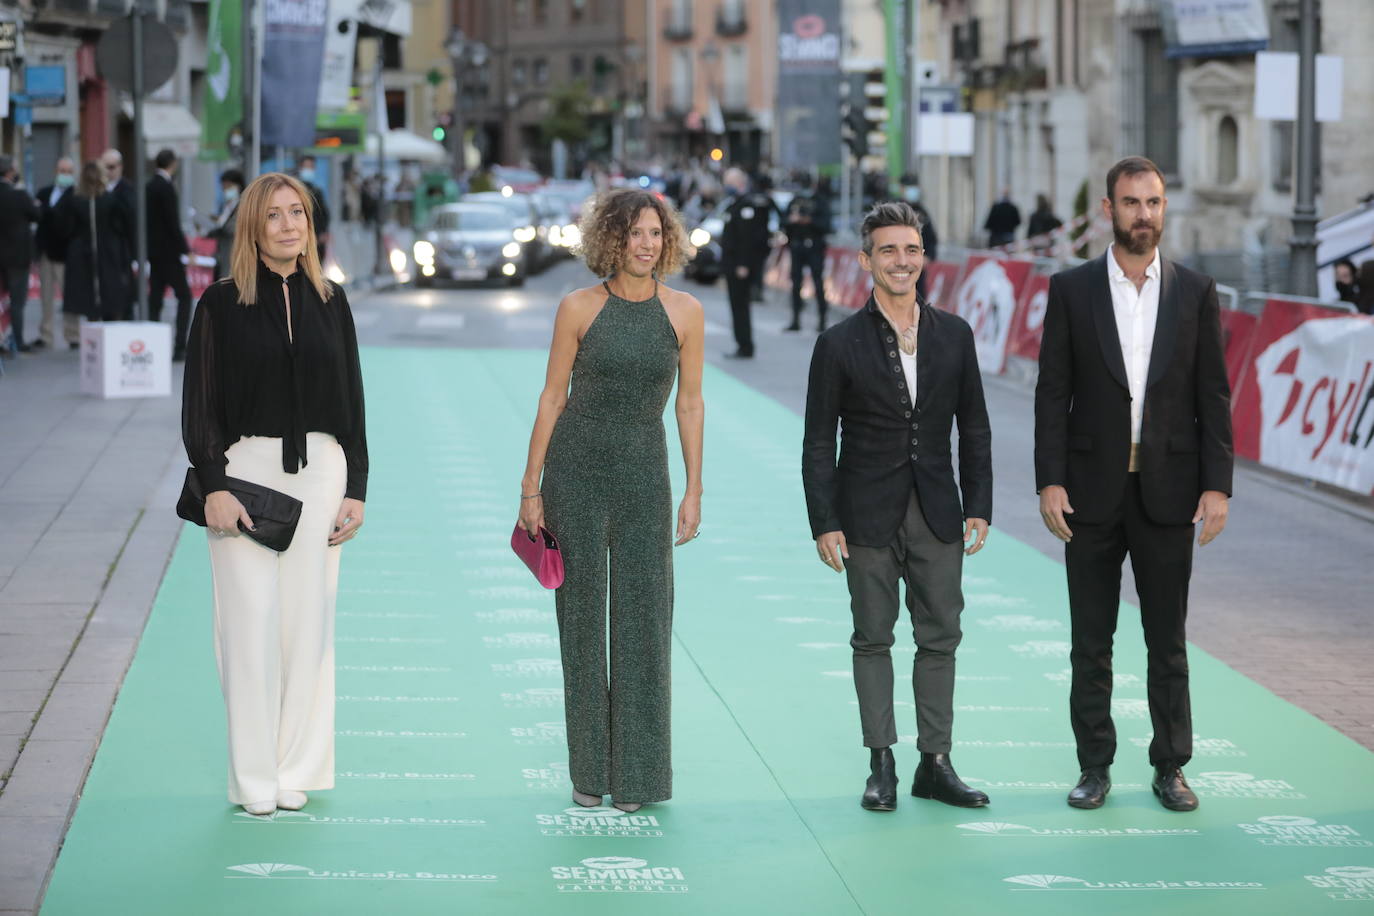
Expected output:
(899, 82)
(224, 80)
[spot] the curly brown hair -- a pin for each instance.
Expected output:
(606, 231)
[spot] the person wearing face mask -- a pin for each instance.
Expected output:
(911, 193)
(52, 251)
(893, 379)
(273, 394)
(309, 176)
(231, 186)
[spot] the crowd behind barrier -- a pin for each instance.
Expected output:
(1301, 370)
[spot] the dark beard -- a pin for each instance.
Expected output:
(1128, 240)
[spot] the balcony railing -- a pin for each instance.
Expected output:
(677, 24)
(731, 20)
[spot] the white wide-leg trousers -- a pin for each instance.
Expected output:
(274, 627)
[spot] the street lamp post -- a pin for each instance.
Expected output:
(1304, 244)
(467, 54)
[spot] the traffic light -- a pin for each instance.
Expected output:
(439, 133)
(854, 124)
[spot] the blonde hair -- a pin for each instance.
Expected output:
(251, 226)
(606, 232)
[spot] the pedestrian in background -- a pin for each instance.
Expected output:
(1003, 220)
(1132, 450)
(1041, 223)
(18, 211)
(168, 251)
(744, 234)
(112, 166)
(887, 509)
(94, 225)
(808, 226)
(597, 475)
(307, 172)
(222, 231)
(930, 239)
(1347, 288)
(273, 394)
(52, 251)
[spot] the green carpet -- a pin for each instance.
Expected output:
(452, 789)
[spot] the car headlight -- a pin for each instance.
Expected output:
(572, 236)
(525, 234)
(508, 269)
(424, 252)
(699, 238)
(512, 250)
(556, 235)
(398, 261)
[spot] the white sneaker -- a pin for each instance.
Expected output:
(290, 800)
(260, 808)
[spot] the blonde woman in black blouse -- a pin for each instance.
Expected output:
(273, 395)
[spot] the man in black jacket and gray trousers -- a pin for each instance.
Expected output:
(18, 211)
(895, 377)
(167, 250)
(1132, 449)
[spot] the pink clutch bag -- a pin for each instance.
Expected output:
(540, 554)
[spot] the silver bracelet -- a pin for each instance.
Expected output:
(531, 496)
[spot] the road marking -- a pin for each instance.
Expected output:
(441, 321)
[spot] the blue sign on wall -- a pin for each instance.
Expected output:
(46, 85)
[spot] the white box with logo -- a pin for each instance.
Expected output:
(126, 359)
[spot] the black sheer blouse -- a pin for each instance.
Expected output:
(246, 377)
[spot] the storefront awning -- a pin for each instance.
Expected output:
(402, 145)
(167, 125)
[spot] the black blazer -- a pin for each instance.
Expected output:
(48, 239)
(887, 446)
(17, 211)
(1083, 403)
(166, 241)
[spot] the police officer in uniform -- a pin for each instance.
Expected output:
(745, 232)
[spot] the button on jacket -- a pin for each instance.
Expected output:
(888, 444)
(246, 377)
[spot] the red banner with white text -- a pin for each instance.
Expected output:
(1305, 403)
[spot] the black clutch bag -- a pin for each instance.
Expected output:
(274, 513)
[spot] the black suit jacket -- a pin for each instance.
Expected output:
(48, 238)
(166, 241)
(1083, 403)
(17, 211)
(887, 446)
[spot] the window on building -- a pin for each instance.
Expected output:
(517, 72)
(735, 93)
(395, 108)
(601, 72)
(577, 10)
(520, 12)
(1159, 102)
(541, 12)
(682, 89)
(1228, 151)
(541, 71)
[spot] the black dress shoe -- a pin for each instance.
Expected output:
(740, 354)
(1092, 788)
(935, 778)
(1173, 790)
(880, 794)
(38, 344)
(25, 348)
(794, 326)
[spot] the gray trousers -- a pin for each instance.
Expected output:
(932, 571)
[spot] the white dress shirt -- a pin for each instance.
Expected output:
(1136, 312)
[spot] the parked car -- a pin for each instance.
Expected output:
(522, 208)
(472, 242)
(519, 180)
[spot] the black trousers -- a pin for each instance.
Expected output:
(15, 282)
(163, 273)
(931, 570)
(1162, 560)
(739, 290)
(808, 257)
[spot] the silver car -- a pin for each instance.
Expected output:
(473, 242)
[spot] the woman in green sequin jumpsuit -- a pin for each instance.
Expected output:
(601, 454)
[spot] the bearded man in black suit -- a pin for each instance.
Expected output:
(1132, 449)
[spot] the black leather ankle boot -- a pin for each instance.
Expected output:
(935, 778)
(880, 794)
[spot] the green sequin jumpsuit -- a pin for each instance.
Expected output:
(608, 500)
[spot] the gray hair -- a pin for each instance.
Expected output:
(889, 213)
